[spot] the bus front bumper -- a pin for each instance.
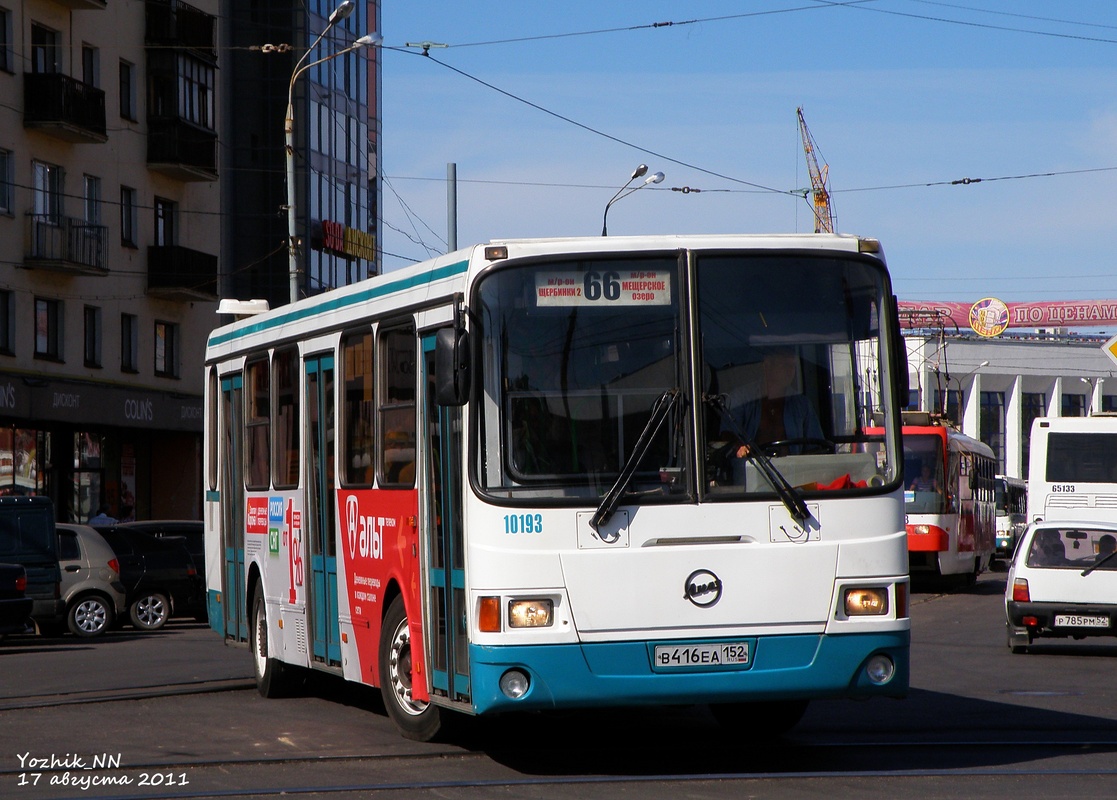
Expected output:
(622, 673)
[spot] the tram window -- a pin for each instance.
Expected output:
(285, 379)
(257, 430)
(356, 423)
(397, 406)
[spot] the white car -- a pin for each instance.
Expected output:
(1062, 583)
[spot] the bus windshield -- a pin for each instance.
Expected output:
(579, 354)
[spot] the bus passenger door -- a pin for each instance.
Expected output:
(441, 428)
(235, 615)
(320, 504)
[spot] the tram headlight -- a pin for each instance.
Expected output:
(866, 602)
(537, 613)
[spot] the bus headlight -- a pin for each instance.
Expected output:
(866, 602)
(531, 613)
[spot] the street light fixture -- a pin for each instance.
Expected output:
(368, 40)
(639, 172)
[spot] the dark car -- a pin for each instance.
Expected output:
(15, 605)
(158, 574)
(191, 530)
(28, 537)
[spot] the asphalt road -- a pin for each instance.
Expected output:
(175, 714)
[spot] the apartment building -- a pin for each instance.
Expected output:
(110, 224)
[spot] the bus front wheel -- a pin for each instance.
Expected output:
(273, 677)
(415, 719)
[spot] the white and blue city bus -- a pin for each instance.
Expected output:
(521, 476)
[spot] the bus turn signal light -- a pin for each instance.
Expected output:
(488, 620)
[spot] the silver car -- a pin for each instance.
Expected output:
(91, 586)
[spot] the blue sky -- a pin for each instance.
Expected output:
(902, 97)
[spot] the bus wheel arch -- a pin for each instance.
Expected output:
(415, 719)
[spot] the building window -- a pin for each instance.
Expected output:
(127, 216)
(92, 199)
(1109, 403)
(46, 190)
(7, 56)
(92, 336)
(128, 90)
(991, 425)
(7, 322)
(1074, 405)
(129, 343)
(48, 328)
(44, 49)
(164, 222)
(166, 349)
(1032, 405)
(6, 180)
(195, 100)
(90, 65)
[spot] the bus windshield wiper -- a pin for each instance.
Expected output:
(787, 493)
(1098, 563)
(660, 409)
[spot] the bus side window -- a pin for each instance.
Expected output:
(397, 417)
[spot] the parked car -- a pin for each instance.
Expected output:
(28, 537)
(1062, 583)
(191, 530)
(158, 574)
(15, 605)
(91, 585)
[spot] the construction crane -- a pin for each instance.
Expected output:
(820, 195)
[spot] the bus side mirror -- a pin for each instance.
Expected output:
(900, 357)
(452, 366)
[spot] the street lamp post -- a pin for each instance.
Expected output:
(639, 172)
(369, 40)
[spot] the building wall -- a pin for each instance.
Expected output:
(63, 395)
(1073, 374)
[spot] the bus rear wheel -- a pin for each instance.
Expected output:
(273, 677)
(415, 719)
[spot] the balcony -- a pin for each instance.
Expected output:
(64, 107)
(179, 273)
(179, 25)
(181, 150)
(66, 244)
(82, 5)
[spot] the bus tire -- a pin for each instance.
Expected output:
(273, 677)
(415, 719)
(764, 718)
